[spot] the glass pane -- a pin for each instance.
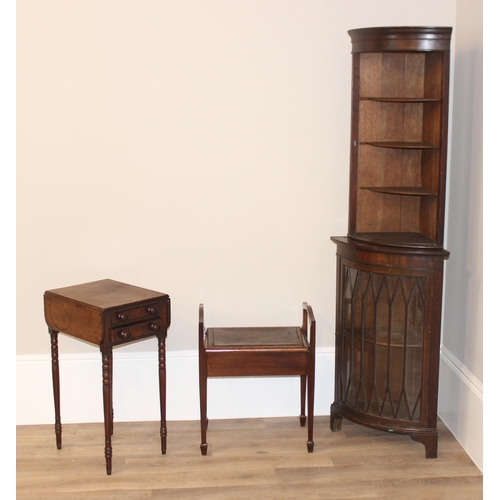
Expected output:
(382, 342)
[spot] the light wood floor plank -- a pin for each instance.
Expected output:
(248, 459)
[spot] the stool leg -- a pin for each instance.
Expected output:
(302, 417)
(308, 317)
(310, 411)
(55, 386)
(203, 412)
(106, 393)
(203, 374)
(162, 372)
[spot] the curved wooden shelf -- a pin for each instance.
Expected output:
(400, 190)
(396, 339)
(403, 100)
(400, 239)
(401, 145)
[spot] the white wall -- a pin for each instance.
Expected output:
(461, 376)
(194, 147)
(198, 148)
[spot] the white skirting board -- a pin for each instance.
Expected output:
(461, 405)
(136, 397)
(135, 389)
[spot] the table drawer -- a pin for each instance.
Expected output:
(135, 314)
(137, 330)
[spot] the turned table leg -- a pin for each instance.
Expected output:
(55, 386)
(108, 412)
(162, 372)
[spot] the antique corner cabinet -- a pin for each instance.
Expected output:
(390, 265)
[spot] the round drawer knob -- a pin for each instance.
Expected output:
(124, 335)
(152, 310)
(122, 317)
(154, 327)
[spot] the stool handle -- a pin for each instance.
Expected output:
(308, 320)
(201, 327)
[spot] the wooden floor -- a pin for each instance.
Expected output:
(247, 459)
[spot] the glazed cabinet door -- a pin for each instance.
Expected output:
(381, 344)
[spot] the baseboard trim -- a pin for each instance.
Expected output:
(460, 404)
(136, 389)
(467, 377)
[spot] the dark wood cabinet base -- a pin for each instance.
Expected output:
(388, 337)
(428, 437)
